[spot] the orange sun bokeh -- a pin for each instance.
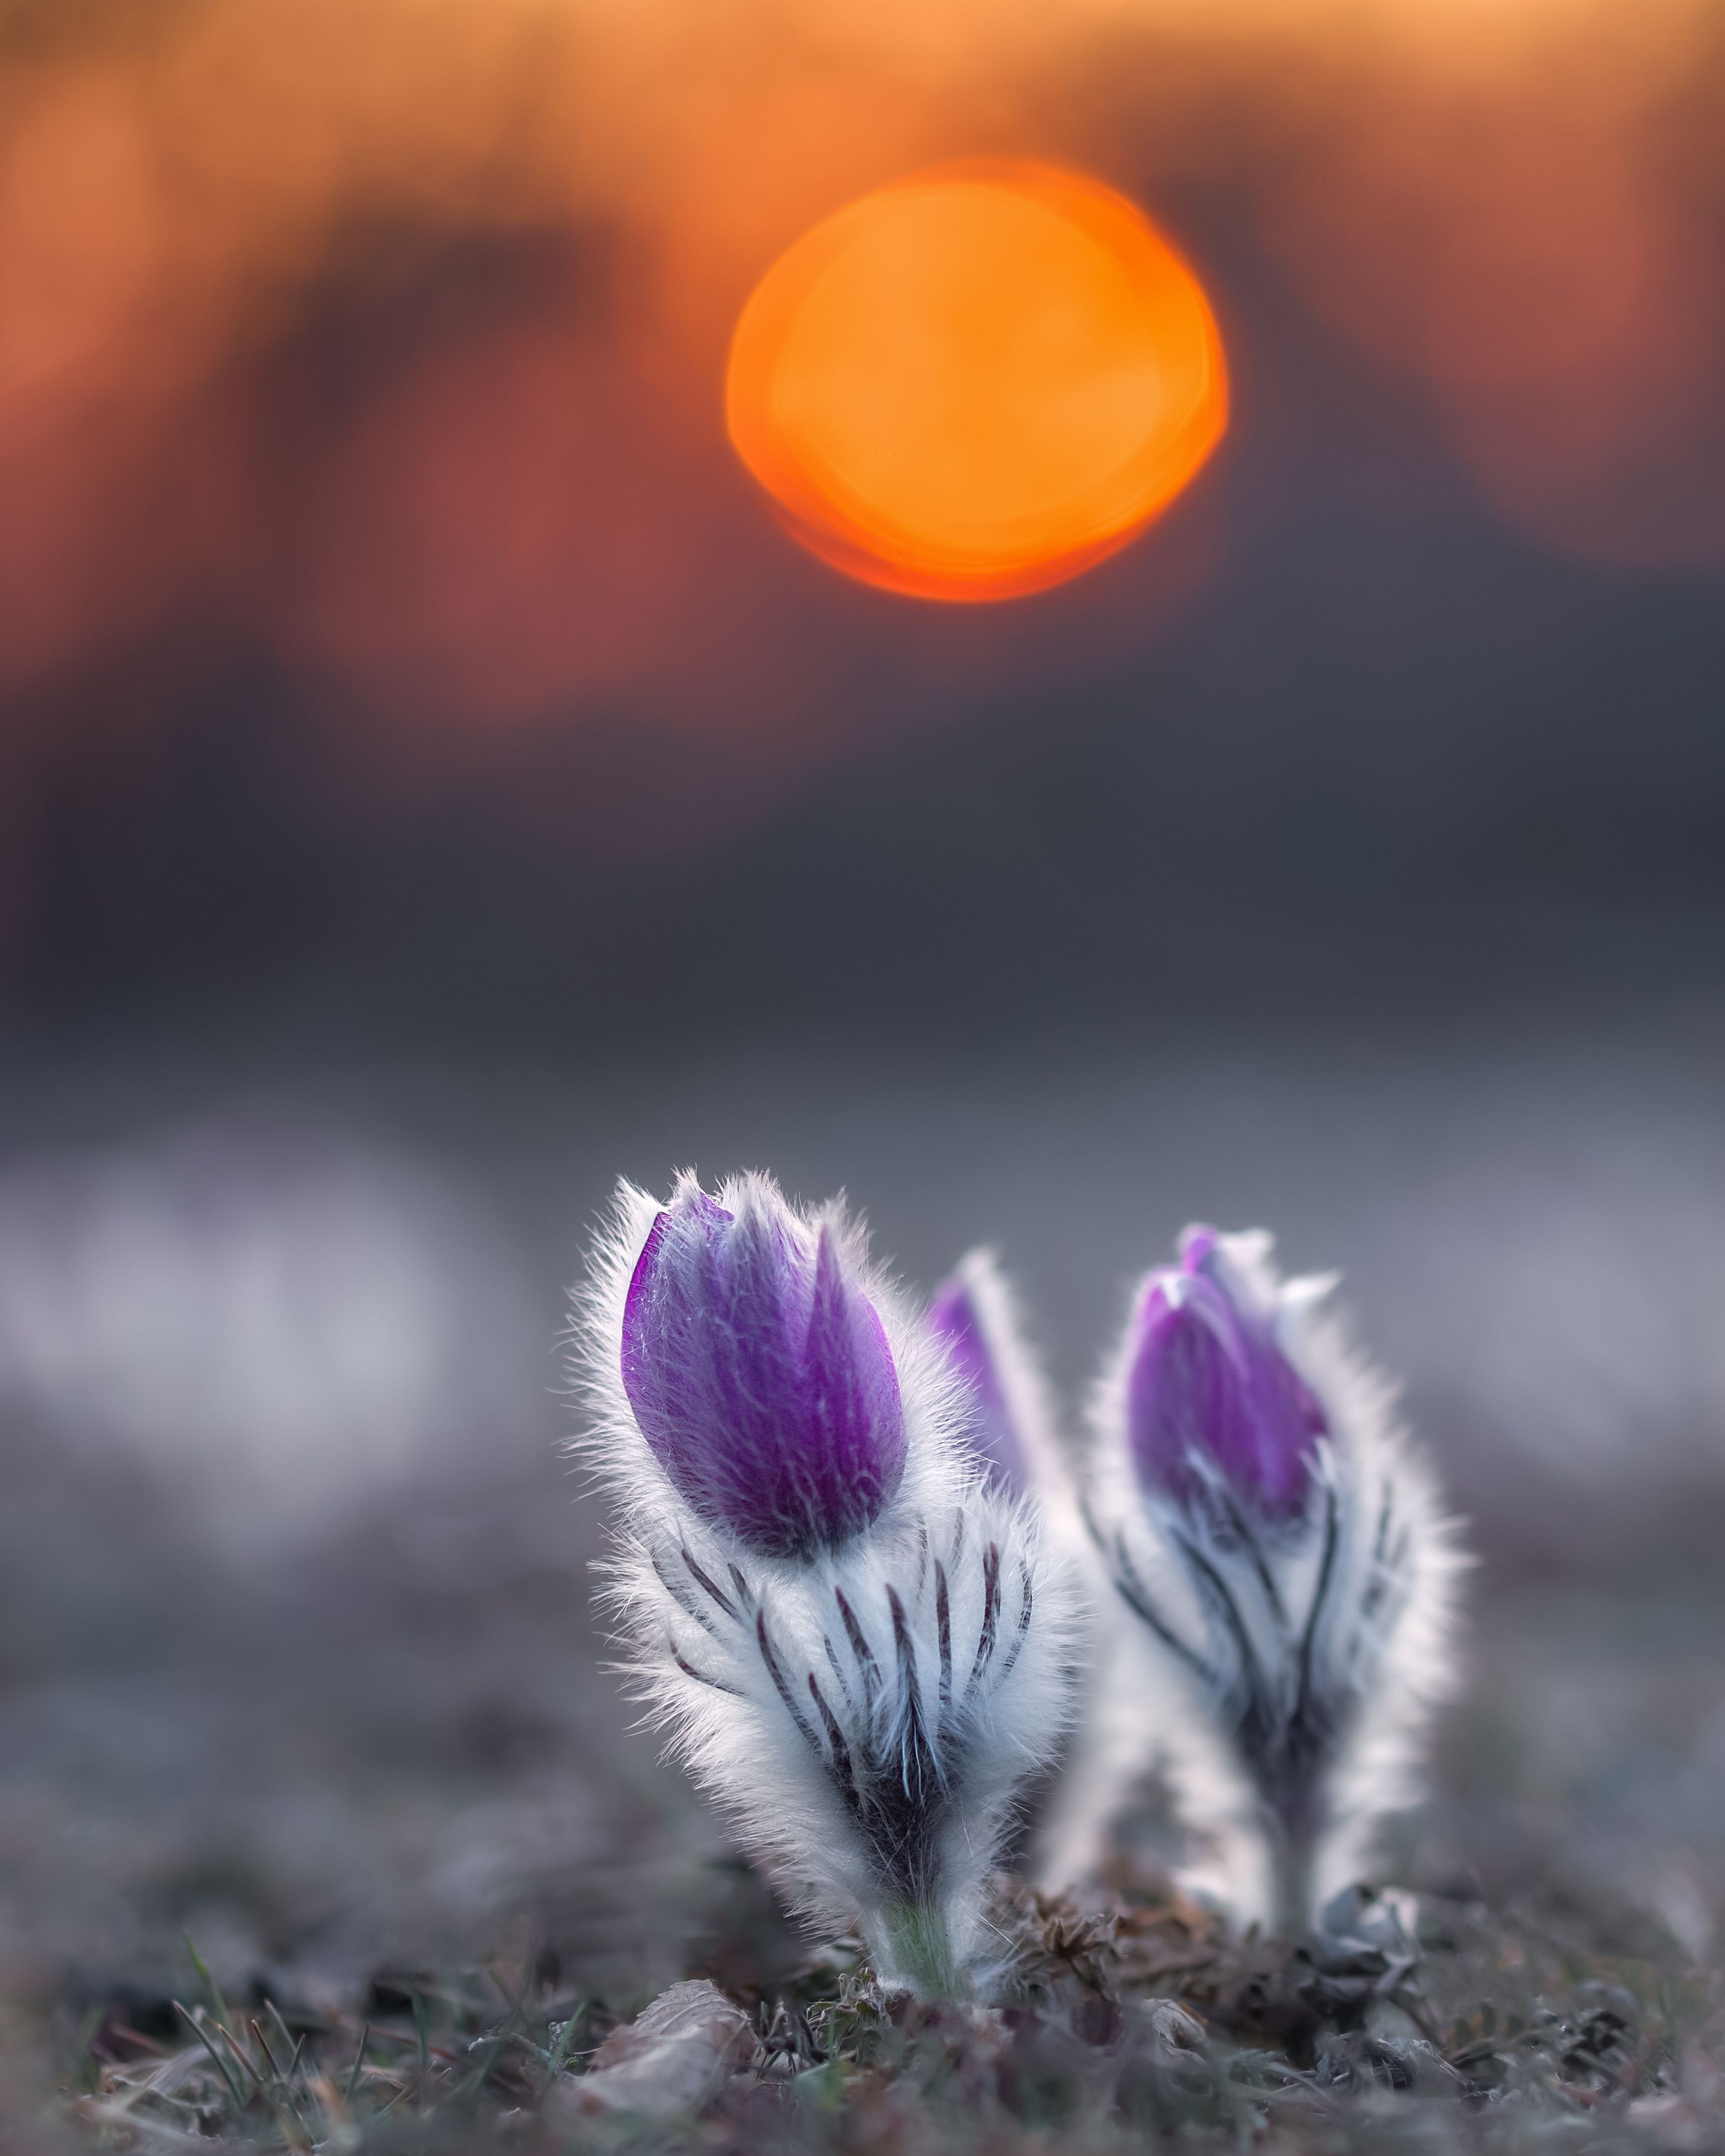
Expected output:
(976, 382)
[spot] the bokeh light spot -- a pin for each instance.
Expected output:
(977, 382)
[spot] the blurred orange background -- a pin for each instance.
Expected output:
(391, 331)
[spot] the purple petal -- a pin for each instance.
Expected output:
(761, 1378)
(1209, 1393)
(1197, 1246)
(955, 1320)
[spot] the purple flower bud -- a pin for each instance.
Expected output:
(760, 1375)
(1210, 1393)
(955, 1320)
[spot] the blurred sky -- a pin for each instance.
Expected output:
(385, 625)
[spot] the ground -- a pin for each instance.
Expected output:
(356, 1848)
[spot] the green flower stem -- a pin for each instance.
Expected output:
(1293, 1915)
(919, 1950)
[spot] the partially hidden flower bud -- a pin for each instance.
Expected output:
(974, 1317)
(759, 1374)
(1210, 1394)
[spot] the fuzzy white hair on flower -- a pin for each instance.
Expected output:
(853, 1641)
(1285, 1570)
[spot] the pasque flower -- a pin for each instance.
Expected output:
(1285, 1567)
(1014, 1429)
(853, 1640)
